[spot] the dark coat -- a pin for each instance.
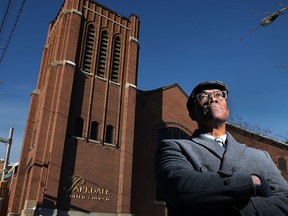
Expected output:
(199, 177)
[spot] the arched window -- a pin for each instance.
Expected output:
(89, 49)
(116, 59)
(109, 134)
(102, 54)
(171, 133)
(282, 164)
(78, 127)
(94, 130)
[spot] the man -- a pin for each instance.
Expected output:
(204, 177)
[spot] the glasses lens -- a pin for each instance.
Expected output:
(219, 94)
(224, 94)
(203, 97)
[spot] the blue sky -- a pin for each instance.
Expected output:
(182, 42)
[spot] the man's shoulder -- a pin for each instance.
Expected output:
(173, 144)
(177, 141)
(248, 150)
(257, 151)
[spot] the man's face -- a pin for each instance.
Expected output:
(210, 106)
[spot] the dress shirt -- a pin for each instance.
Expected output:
(220, 140)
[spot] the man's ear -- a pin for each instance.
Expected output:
(228, 111)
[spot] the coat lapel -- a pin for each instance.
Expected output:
(234, 150)
(228, 156)
(209, 144)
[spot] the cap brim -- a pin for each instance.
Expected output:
(209, 85)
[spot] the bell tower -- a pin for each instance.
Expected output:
(78, 145)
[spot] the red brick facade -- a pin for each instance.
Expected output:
(78, 146)
(91, 135)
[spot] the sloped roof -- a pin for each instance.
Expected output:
(174, 85)
(258, 136)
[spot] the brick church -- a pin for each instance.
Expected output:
(91, 133)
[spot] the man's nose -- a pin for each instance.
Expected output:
(211, 98)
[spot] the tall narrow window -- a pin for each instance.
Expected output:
(78, 127)
(102, 54)
(282, 164)
(109, 134)
(116, 59)
(89, 49)
(94, 130)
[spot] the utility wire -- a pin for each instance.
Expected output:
(5, 17)
(12, 31)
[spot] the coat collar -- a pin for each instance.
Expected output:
(213, 146)
(228, 156)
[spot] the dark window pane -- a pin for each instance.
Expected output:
(94, 130)
(109, 134)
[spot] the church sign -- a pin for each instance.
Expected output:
(80, 190)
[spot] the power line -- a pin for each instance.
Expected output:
(12, 29)
(5, 17)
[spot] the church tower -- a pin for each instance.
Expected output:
(78, 144)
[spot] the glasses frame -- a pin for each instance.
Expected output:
(209, 96)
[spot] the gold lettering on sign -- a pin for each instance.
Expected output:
(86, 192)
(76, 180)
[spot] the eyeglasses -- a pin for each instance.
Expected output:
(204, 97)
